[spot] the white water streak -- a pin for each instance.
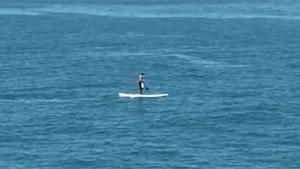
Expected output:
(200, 61)
(189, 10)
(17, 11)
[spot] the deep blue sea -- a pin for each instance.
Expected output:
(231, 69)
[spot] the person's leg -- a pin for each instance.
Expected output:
(140, 88)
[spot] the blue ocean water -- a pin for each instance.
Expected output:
(231, 69)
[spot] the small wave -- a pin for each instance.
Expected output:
(230, 11)
(197, 60)
(11, 11)
(20, 100)
(188, 10)
(34, 100)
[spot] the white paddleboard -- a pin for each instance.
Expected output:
(142, 95)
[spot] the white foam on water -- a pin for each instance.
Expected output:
(185, 10)
(16, 11)
(54, 100)
(200, 61)
(34, 100)
(195, 60)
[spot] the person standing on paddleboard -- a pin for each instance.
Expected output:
(141, 83)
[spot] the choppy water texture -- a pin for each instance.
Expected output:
(231, 69)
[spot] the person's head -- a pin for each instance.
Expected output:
(142, 73)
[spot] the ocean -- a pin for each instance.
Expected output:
(231, 69)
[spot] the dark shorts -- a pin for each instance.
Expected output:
(141, 85)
